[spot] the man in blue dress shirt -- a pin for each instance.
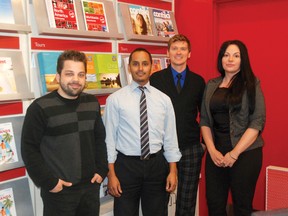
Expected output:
(185, 89)
(132, 178)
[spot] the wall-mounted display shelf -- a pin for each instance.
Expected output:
(143, 23)
(13, 81)
(77, 18)
(12, 19)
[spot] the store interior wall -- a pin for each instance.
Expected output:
(262, 26)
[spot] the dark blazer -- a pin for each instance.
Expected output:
(186, 104)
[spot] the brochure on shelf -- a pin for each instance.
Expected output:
(7, 202)
(8, 152)
(94, 16)
(69, 18)
(47, 63)
(107, 70)
(102, 71)
(140, 20)
(13, 80)
(91, 78)
(15, 198)
(62, 14)
(163, 23)
(10, 138)
(7, 79)
(143, 23)
(6, 12)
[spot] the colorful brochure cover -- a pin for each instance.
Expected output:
(163, 23)
(91, 78)
(8, 152)
(107, 70)
(47, 62)
(94, 16)
(156, 65)
(62, 14)
(140, 20)
(102, 71)
(7, 79)
(7, 203)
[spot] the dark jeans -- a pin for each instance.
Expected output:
(241, 179)
(74, 201)
(143, 180)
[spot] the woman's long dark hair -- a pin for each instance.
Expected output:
(144, 25)
(243, 80)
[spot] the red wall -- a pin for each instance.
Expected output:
(262, 26)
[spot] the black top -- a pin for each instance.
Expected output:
(186, 104)
(220, 113)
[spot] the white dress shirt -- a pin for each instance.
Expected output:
(122, 123)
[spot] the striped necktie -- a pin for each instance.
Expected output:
(144, 131)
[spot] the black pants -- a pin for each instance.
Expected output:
(72, 201)
(143, 180)
(241, 179)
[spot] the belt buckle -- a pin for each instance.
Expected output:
(146, 158)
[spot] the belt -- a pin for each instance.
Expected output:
(139, 157)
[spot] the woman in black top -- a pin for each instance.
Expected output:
(232, 120)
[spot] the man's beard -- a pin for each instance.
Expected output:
(70, 91)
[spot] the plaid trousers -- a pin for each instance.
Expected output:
(189, 168)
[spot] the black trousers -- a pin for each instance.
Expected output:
(72, 201)
(143, 180)
(241, 179)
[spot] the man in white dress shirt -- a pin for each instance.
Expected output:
(132, 178)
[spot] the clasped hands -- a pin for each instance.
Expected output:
(226, 160)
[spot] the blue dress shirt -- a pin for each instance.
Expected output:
(174, 73)
(122, 123)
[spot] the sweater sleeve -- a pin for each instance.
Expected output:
(32, 133)
(100, 146)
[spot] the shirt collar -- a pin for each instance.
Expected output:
(174, 73)
(134, 85)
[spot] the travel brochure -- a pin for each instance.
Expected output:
(15, 198)
(141, 20)
(7, 202)
(7, 79)
(102, 71)
(47, 63)
(94, 16)
(8, 152)
(62, 14)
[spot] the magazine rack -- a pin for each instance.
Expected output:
(19, 25)
(153, 36)
(22, 91)
(44, 27)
